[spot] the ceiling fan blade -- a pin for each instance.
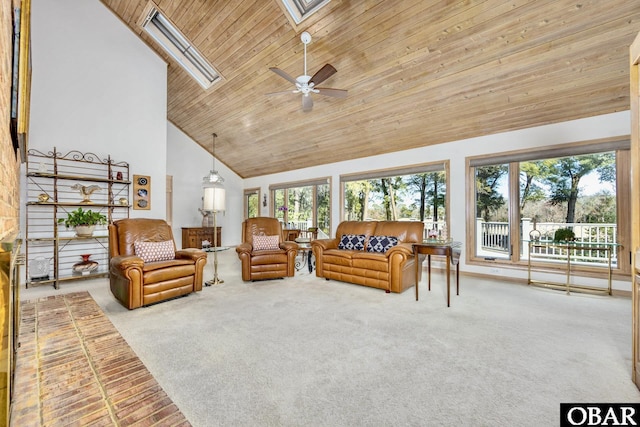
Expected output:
(282, 74)
(323, 74)
(307, 103)
(281, 92)
(336, 93)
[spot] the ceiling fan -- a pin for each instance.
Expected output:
(305, 84)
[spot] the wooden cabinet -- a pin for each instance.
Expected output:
(56, 185)
(192, 237)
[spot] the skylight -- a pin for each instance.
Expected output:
(302, 9)
(180, 48)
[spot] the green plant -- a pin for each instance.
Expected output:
(564, 235)
(81, 217)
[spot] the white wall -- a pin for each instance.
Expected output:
(96, 87)
(578, 130)
(189, 163)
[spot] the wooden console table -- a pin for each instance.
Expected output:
(192, 237)
(451, 250)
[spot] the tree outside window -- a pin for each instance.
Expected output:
(417, 196)
(303, 206)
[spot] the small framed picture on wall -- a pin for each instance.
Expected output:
(141, 192)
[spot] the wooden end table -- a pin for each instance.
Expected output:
(451, 250)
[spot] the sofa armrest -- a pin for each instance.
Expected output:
(193, 254)
(318, 247)
(325, 244)
(402, 248)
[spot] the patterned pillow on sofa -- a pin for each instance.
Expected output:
(154, 251)
(266, 243)
(353, 242)
(381, 244)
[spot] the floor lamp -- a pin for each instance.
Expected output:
(214, 201)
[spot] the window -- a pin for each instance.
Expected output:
(179, 47)
(302, 205)
(251, 203)
(575, 186)
(299, 10)
(414, 193)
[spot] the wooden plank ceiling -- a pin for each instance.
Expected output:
(418, 72)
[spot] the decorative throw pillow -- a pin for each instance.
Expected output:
(381, 244)
(155, 251)
(354, 242)
(266, 243)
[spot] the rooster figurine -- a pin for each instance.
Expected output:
(85, 191)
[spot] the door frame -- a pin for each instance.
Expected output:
(634, 75)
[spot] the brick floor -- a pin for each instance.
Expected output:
(74, 368)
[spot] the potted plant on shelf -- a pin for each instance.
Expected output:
(564, 235)
(83, 221)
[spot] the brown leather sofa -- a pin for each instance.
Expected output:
(274, 263)
(136, 283)
(393, 270)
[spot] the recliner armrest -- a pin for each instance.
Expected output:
(193, 254)
(244, 248)
(126, 262)
(289, 246)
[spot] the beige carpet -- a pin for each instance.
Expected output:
(308, 352)
(74, 368)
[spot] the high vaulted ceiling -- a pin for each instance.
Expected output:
(418, 72)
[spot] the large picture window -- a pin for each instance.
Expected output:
(415, 193)
(301, 205)
(582, 188)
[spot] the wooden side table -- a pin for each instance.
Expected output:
(451, 250)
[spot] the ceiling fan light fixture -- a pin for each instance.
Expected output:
(306, 84)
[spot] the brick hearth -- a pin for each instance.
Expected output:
(74, 368)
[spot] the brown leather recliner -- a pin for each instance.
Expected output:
(136, 283)
(268, 263)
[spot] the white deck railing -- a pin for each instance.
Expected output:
(303, 225)
(493, 238)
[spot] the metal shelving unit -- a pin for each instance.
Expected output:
(55, 184)
(544, 251)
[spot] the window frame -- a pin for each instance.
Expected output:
(247, 192)
(619, 144)
(170, 39)
(297, 184)
(415, 169)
